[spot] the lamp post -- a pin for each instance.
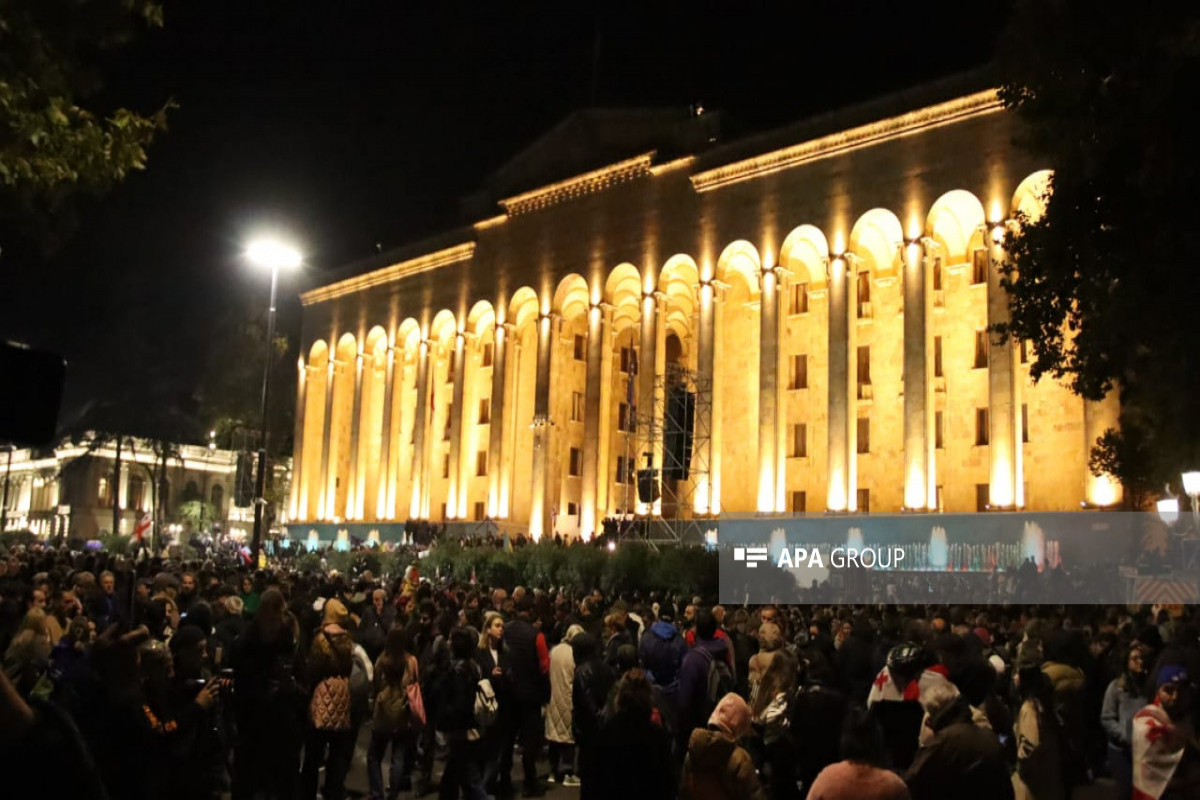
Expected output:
(272, 255)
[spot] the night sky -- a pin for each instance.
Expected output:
(352, 123)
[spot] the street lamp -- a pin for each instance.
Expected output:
(1168, 510)
(273, 255)
(1191, 487)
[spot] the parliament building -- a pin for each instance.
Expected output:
(793, 322)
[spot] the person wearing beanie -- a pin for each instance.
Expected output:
(330, 740)
(1166, 753)
(716, 766)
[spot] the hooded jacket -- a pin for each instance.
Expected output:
(662, 653)
(716, 768)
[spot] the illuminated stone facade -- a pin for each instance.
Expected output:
(833, 279)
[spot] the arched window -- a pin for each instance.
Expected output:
(218, 498)
(191, 492)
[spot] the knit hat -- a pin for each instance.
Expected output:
(335, 612)
(1171, 673)
(731, 716)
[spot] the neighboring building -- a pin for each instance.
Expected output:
(832, 282)
(71, 488)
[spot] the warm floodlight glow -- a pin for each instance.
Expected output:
(273, 254)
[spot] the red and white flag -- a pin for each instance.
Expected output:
(143, 527)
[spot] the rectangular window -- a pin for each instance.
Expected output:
(489, 351)
(979, 266)
(981, 497)
(864, 287)
(485, 411)
(623, 471)
(1024, 351)
(799, 502)
(864, 435)
(104, 494)
(137, 493)
(864, 501)
(446, 466)
(939, 440)
(626, 359)
(481, 464)
(572, 510)
(981, 427)
(1025, 423)
(800, 440)
(443, 510)
(576, 406)
(580, 347)
(864, 364)
(799, 372)
(937, 274)
(981, 349)
(480, 510)
(937, 357)
(576, 462)
(450, 369)
(798, 298)
(625, 419)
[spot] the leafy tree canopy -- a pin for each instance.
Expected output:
(52, 146)
(1105, 282)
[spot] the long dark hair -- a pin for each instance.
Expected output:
(394, 660)
(779, 677)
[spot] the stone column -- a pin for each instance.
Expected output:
(705, 352)
(298, 499)
(356, 484)
(496, 428)
(782, 281)
(647, 372)
(384, 509)
(1004, 407)
(453, 510)
(598, 324)
(538, 510)
(768, 355)
(842, 389)
(604, 417)
(328, 480)
(420, 467)
(717, 374)
(918, 398)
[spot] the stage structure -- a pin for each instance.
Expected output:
(672, 445)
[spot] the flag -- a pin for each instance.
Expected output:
(143, 527)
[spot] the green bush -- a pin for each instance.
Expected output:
(17, 538)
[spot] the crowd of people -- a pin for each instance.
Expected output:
(149, 678)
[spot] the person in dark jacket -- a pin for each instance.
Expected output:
(456, 725)
(494, 664)
(631, 739)
(662, 652)
(589, 691)
(269, 704)
(693, 703)
(529, 660)
(962, 759)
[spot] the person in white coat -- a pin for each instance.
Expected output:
(558, 711)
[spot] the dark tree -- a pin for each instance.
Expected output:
(1105, 283)
(53, 147)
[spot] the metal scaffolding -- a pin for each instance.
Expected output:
(660, 459)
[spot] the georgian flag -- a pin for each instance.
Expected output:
(1155, 753)
(143, 527)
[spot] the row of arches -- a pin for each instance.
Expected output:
(522, 409)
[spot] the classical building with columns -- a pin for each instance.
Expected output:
(832, 282)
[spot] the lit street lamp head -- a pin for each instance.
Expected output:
(272, 254)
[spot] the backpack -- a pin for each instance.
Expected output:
(486, 705)
(720, 680)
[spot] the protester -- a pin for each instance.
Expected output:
(860, 775)
(716, 766)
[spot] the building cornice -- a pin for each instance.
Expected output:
(579, 186)
(973, 105)
(390, 274)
